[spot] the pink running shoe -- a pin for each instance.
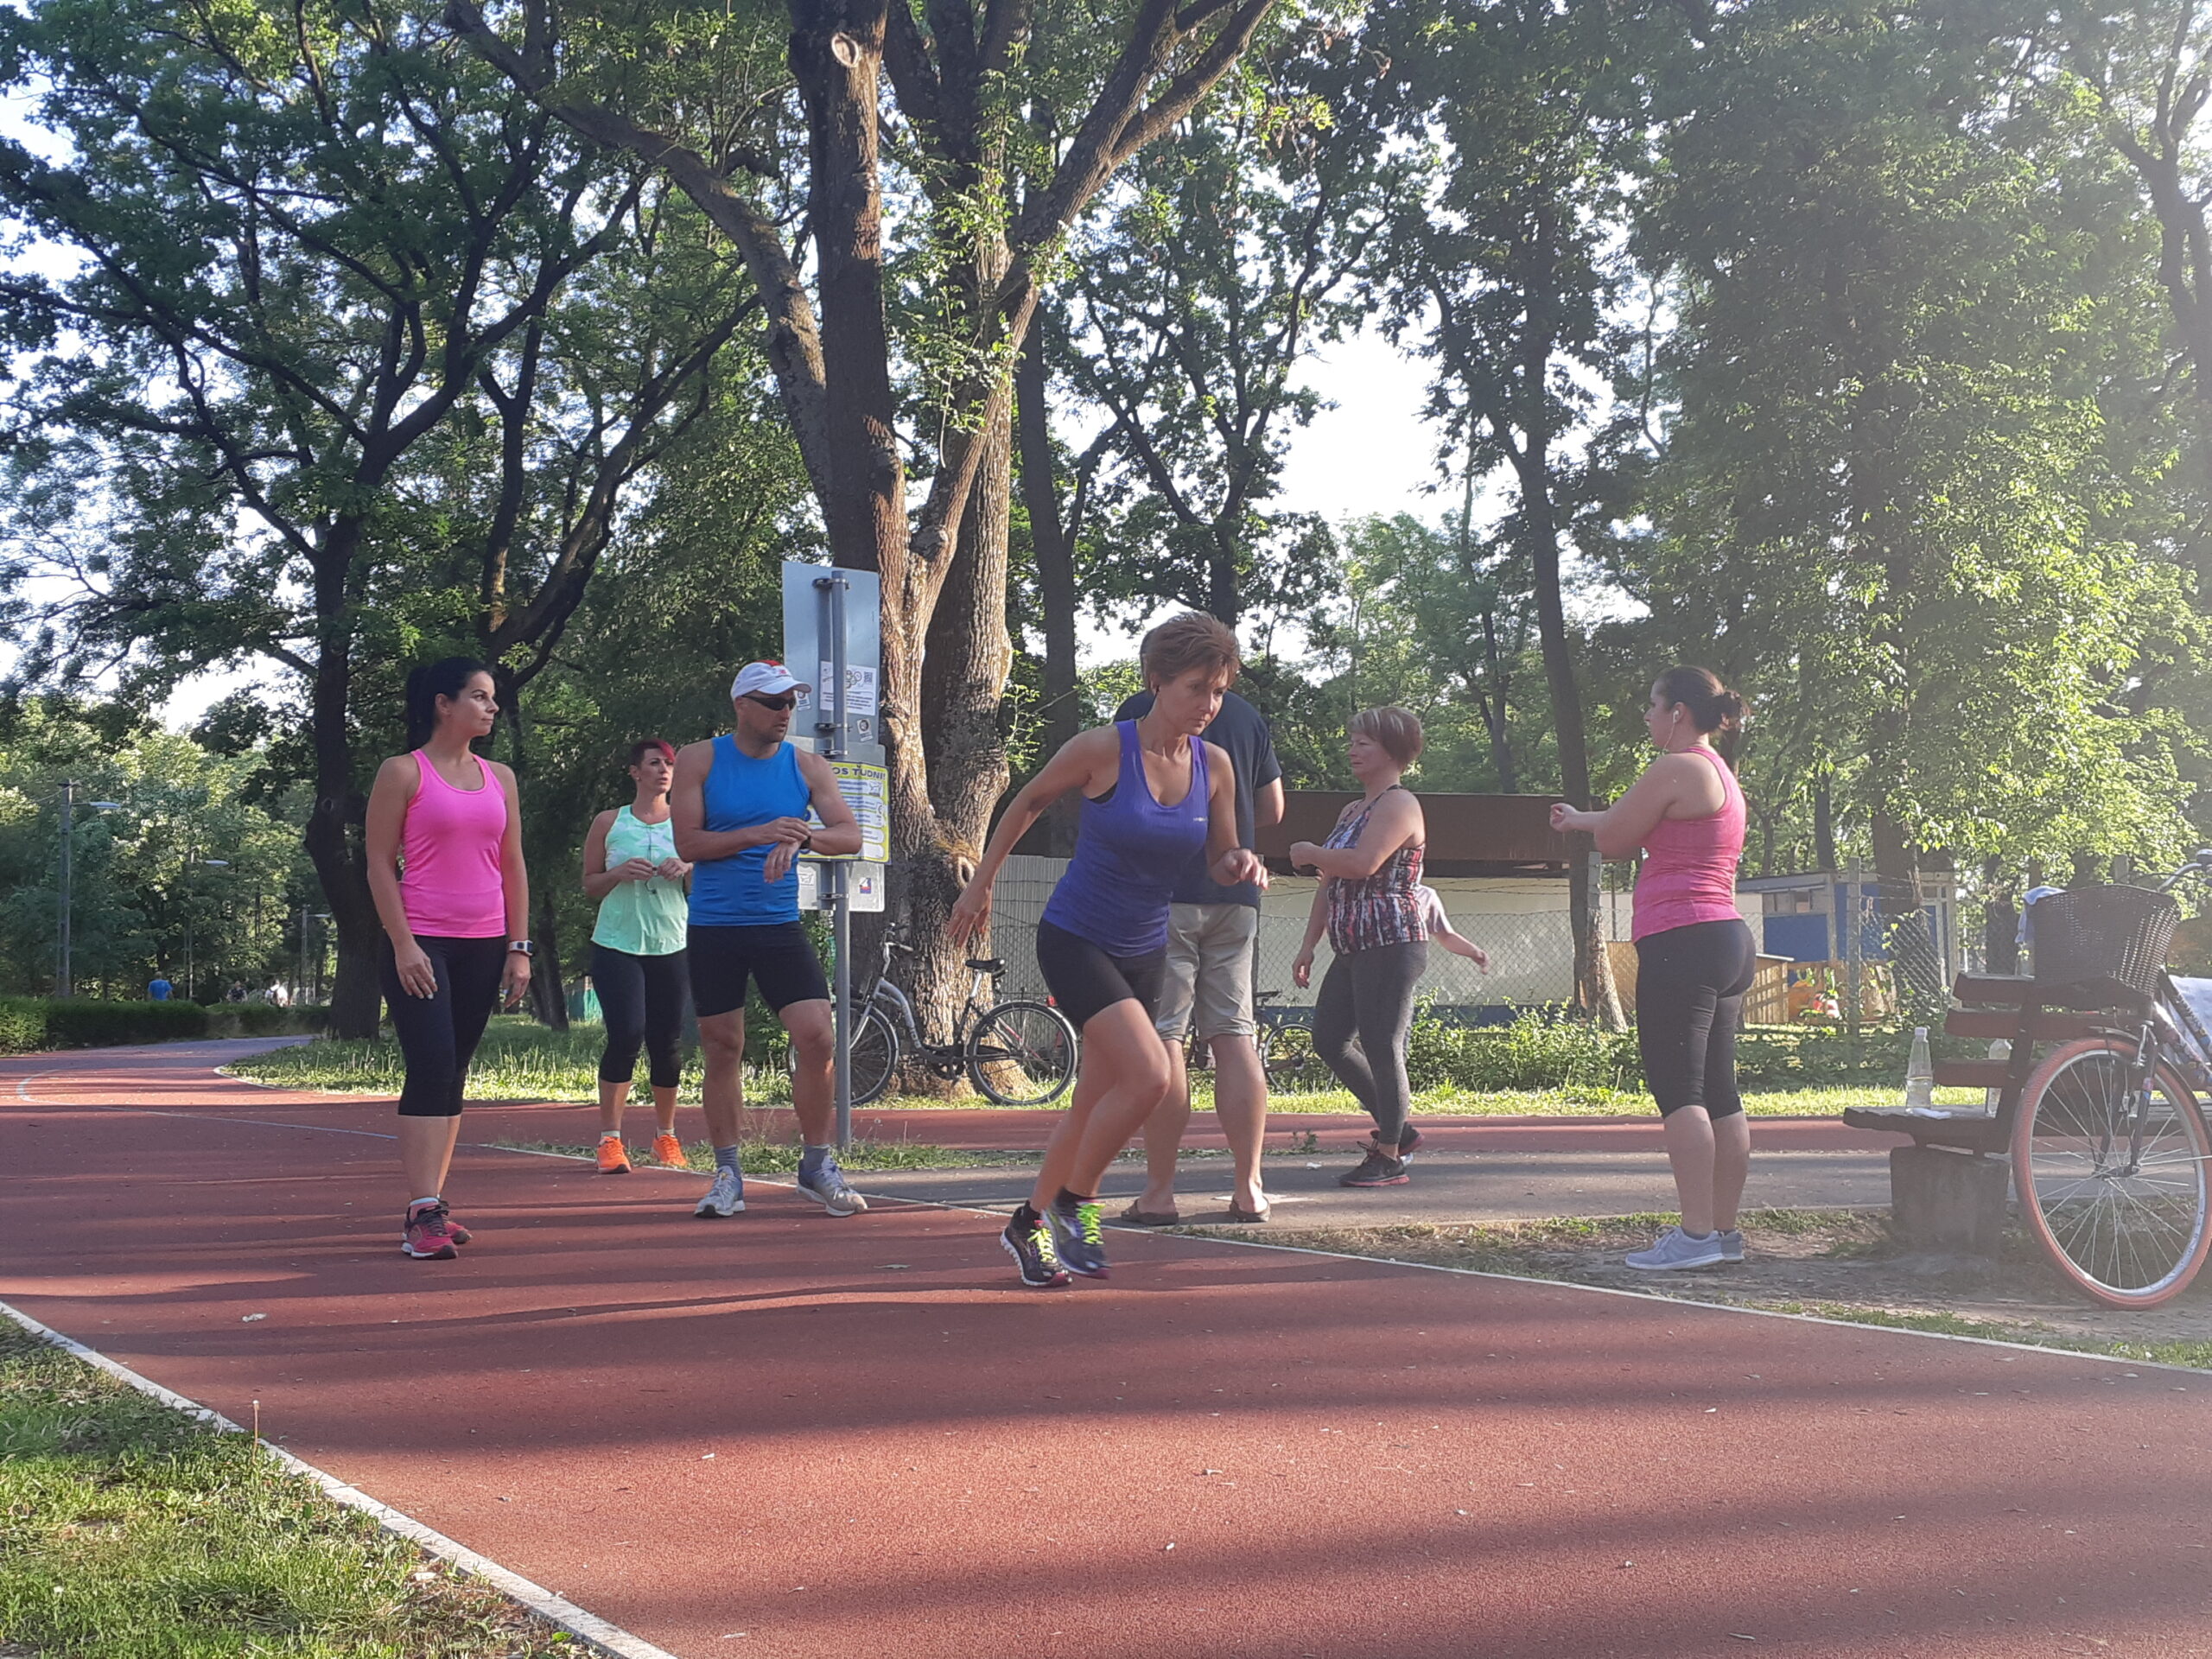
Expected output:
(428, 1238)
(455, 1230)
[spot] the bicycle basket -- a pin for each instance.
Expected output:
(2113, 932)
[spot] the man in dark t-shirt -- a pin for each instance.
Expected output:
(1210, 933)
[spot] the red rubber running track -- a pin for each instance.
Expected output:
(859, 1436)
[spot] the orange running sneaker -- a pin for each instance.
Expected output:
(668, 1151)
(613, 1160)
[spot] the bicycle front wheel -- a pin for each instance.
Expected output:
(1286, 1054)
(875, 1056)
(1023, 1054)
(2111, 1188)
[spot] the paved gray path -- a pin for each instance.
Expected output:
(1446, 1186)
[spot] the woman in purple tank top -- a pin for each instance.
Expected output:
(455, 920)
(1154, 793)
(1695, 957)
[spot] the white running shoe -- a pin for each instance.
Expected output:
(725, 1198)
(1676, 1250)
(828, 1189)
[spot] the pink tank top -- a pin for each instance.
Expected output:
(1689, 873)
(451, 885)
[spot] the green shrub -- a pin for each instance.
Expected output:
(28, 1023)
(264, 1019)
(1541, 1049)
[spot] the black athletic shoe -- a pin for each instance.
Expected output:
(1409, 1141)
(1375, 1170)
(1031, 1247)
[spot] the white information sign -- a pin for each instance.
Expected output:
(867, 789)
(863, 885)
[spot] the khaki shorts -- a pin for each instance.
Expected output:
(1209, 970)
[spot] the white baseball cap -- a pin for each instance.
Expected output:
(764, 679)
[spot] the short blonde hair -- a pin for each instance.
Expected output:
(1180, 644)
(1397, 731)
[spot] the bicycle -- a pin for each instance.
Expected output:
(2109, 1143)
(1018, 1052)
(1283, 1040)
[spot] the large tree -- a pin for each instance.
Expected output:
(324, 388)
(793, 174)
(1901, 493)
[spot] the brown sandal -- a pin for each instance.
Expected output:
(1137, 1217)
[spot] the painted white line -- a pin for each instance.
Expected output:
(608, 1638)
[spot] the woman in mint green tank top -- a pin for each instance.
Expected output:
(637, 952)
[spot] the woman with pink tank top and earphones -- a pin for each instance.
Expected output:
(455, 920)
(1695, 957)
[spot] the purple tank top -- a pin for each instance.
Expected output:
(1128, 851)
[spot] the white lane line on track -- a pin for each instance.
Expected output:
(606, 1637)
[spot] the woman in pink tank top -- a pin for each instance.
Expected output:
(446, 870)
(1694, 955)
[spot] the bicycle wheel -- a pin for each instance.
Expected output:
(2117, 1205)
(875, 1056)
(1023, 1054)
(1286, 1054)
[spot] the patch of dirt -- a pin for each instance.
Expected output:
(1839, 1262)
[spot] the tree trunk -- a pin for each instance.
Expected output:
(1594, 992)
(1055, 554)
(333, 836)
(1824, 821)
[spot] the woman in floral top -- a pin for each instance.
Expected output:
(1369, 902)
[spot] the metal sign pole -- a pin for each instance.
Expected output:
(831, 589)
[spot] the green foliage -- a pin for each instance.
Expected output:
(1538, 1050)
(30, 1023)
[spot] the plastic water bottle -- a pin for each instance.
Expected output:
(2000, 1049)
(1919, 1074)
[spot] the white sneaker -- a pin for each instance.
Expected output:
(1677, 1249)
(725, 1198)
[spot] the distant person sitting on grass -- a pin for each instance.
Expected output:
(1695, 957)
(455, 925)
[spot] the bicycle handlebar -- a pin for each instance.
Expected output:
(2199, 864)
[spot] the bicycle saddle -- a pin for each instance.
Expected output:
(986, 965)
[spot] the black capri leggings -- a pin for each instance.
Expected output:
(641, 999)
(1689, 1005)
(1369, 995)
(438, 1034)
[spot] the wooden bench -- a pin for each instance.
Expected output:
(1948, 1189)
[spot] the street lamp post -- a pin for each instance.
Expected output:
(62, 982)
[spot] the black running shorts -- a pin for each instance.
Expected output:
(1084, 980)
(779, 958)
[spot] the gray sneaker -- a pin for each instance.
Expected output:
(725, 1198)
(1677, 1249)
(1731, 1245)
(828, 1190)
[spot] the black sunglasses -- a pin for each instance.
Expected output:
(787, 701)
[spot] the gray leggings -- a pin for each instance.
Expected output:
(1369, 995)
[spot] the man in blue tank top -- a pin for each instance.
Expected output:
(739, 806)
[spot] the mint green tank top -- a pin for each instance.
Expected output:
(642, 918)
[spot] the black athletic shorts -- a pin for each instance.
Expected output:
(779, 958)
(1084, 980)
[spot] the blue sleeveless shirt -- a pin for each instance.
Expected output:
(1130, 851)
(739, 792)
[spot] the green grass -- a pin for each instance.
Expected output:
(521, 1060)
(131, 1531)
(1560, 1247)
